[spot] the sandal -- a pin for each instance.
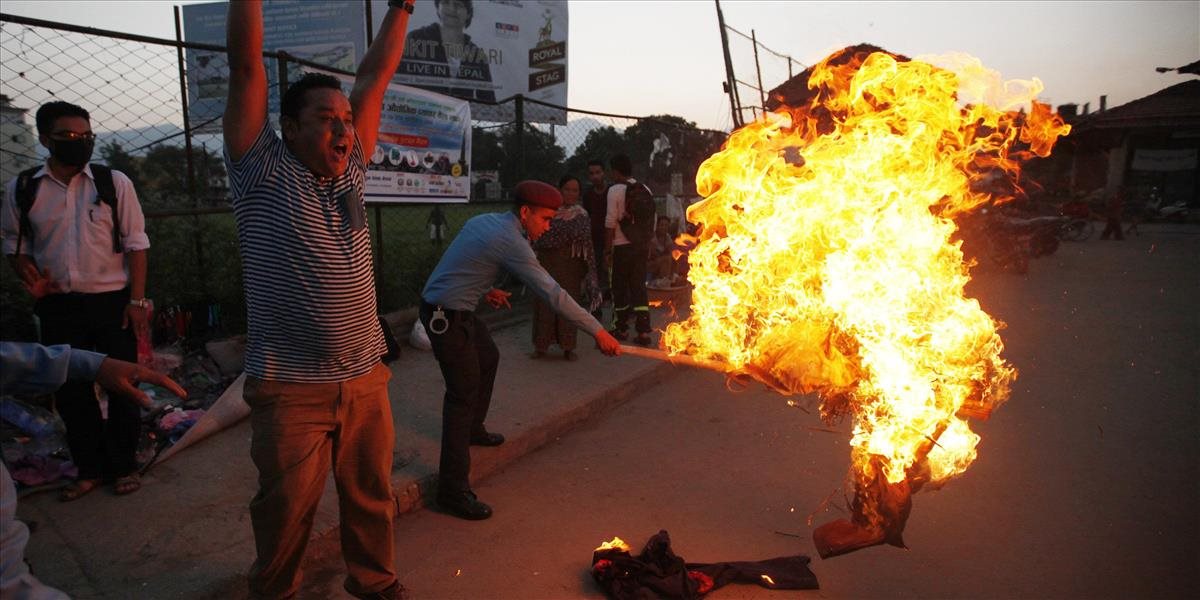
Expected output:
(78, 489)
(127, 484)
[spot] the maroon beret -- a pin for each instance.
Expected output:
(537, 193)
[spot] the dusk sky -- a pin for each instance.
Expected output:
(653, 57)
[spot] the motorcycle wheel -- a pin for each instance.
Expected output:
(1076, 230)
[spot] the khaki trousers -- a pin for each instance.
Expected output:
(300, 430)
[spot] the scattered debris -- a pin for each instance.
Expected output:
(33, 437)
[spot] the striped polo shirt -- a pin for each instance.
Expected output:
(310, 289)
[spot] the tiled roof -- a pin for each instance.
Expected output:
(1178, 105)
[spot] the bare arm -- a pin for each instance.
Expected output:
(137, 273)
(138, 316)
(246, 104)
(374, 72)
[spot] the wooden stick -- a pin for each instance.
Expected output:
(676, 359)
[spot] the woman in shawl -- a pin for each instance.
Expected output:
(565, 250)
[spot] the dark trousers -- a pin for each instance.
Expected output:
(102, 449)
(601, 265)
(1112, 227)
(468, 359)
(629, 288)
(601, 271)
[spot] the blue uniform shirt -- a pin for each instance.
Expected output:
(472, 264)
(38, 369)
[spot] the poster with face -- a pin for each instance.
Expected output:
(487, 51)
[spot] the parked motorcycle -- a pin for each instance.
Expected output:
(1155, 211)
(1010, 242)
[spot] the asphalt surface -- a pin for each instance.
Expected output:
(1086, 483)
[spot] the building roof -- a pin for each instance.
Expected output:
(1175, 106)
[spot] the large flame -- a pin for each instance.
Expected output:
(825, 261)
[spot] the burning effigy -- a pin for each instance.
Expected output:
(826, 264)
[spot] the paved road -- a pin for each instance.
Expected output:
(1086, 484)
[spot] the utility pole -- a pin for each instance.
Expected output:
(735, 104)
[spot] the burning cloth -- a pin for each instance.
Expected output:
(658, 572)
(826, 262)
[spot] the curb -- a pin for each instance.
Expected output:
(412, 495)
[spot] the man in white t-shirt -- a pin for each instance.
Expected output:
(628, 259)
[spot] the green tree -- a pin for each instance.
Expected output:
(486, 151)
(117, 158)
(535, 156)
(601, 143)
(662, 145)
(165, 177)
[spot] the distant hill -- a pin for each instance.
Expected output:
(141, 138)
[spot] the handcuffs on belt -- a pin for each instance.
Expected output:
(438, 323)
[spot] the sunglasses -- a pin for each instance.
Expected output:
(72, 136)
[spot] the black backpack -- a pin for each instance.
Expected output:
(106, 192)
(638, 222)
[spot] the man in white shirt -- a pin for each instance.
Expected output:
(628, 259)
(74, 233)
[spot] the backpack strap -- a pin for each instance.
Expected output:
(106, 192)
(25, 194)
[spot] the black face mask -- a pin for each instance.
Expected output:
(74, 153)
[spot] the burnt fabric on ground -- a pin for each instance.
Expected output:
(659, 572)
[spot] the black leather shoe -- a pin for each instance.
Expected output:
(486, 438)
(465, 506)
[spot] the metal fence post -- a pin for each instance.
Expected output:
(519, 109)
(198, 237)
(281, 63)
(762, 98)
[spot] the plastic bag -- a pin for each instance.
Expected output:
(418, 338)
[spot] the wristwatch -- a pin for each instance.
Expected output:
(405, 4)
(141, 303)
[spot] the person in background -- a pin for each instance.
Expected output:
(36, 369)
(1113, 207)
(462, 344)
(565, 251)
(662, 267)
(81, 253)
(315, 384)
(437, 225)
(628, 259)
(595, 202)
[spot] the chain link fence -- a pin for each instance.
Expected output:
(133, 86)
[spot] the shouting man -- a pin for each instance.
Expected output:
(315, 384)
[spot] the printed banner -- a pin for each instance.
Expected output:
(331, 33)
(1164, 160)
(488, 51)
(423, 152)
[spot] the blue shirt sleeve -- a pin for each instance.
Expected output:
(520, 260)
(37, 369)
